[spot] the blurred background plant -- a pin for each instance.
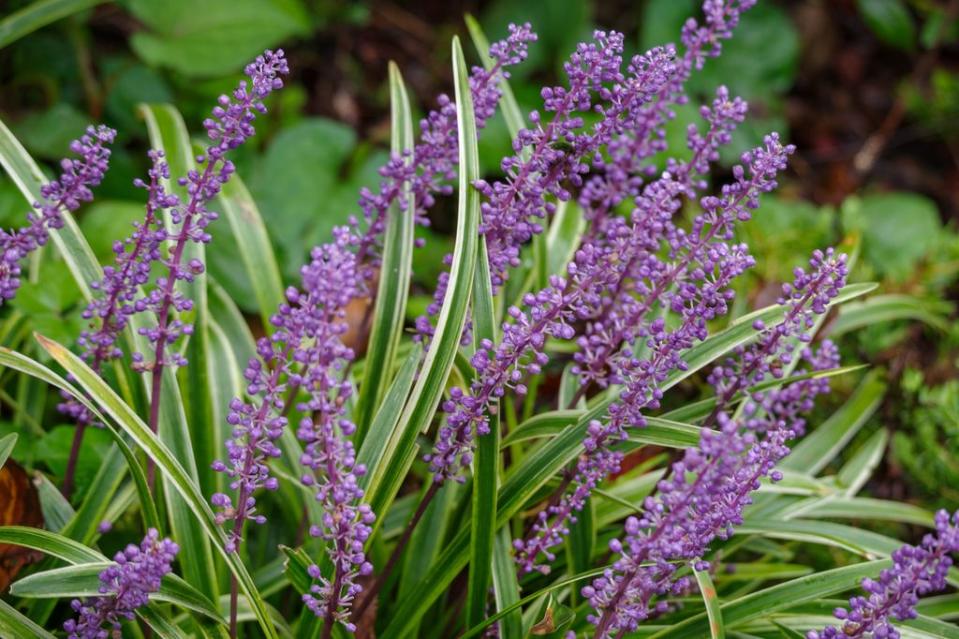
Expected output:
(868, 90)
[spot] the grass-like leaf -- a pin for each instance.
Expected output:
(385, 479)
(393, 288)
(37, 15)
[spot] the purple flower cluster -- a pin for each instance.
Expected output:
(69, 191)
(433, 160)
(230, 126)
(124, 587)
(553, 310)
(620, 175)
(706, 491)
(109, 312)
(556, 154)
(693, 282)
(916, 571)
(618, 318)
(328, 455)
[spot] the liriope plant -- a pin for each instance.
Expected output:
(524, 459)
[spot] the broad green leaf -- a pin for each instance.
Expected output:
(898, 229)
(890, 21)
(37, 15)
(126, 419)
(717, 629)
(13, 625)
(297, 183)
(770, 600)
(7, 444)
(385, 478)
(218, 40)
(819, 447)
(389, 311)
(887, 308)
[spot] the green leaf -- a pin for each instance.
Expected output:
(49, 583)
(50, 543)
(71, 244)
(717, 629)
(37, 15)
(856, 472)
(83, 580)
(7, 444)
(54, 449)
(765, 602)
(384, 479)
(818, 448)
(375, 446)
(486, 464)
(125, 418)
(394, 281)
(856, 540)
(107, 220)
(898, 230)
(890, 21)
(218, 40)
(863, 508)
(888, 308)
(253, 246)
(557, 585)
(297, 180)
(14, 625)
(505, 586)
(423, 549)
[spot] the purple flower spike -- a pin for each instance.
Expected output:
(110, 311)
(435, 157)
(316, 317)
(69, 191)
(230, 126)
(542, 167)
(916, 571)
(693, 283)
(705, 493)
(124, 587)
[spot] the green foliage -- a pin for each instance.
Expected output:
(217, 40)
(890, 20)
(805, 541)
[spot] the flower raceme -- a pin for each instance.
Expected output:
(69, 191)
(124, 587)
(706, 491)
(916, 571)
